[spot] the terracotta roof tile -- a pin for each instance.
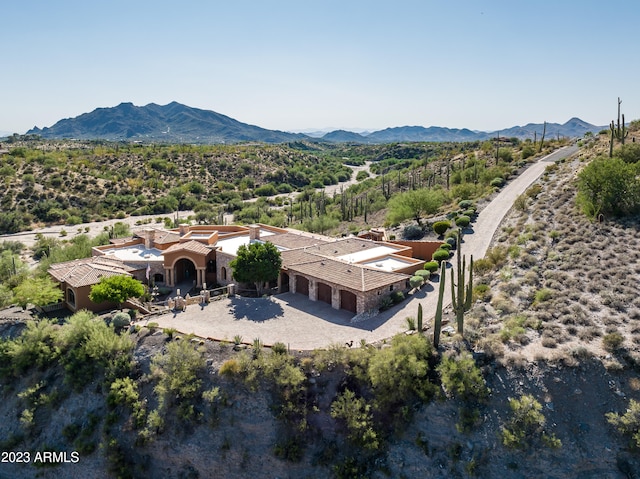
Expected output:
(87, 271)
(192, 246)
(293, 240)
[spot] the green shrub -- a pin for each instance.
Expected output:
(612, 341)
(461, 378)
(463, 221)
(445, 246)
(440, 255)
(431, 266)
(497, 182)
(397, 297)
(526, 424)
(120, 320)
(424, 274)
(465, 204)
(482, 292)
(416, 281)
(279, 348)
(357, 417)
(440, 227)
(469, 213)
(628, 423)
(412, 232)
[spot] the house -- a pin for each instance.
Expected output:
(348, 273)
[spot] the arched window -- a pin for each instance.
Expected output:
(71, 297)
(211, 266)
(223, 272)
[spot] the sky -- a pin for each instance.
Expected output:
(297, 65)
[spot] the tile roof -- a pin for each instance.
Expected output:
(293, 240)
(347, 246)
(191, 246)
(352, 276)
(165, 237)
(87, 271)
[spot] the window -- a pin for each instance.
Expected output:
(391, 288)
(223, 272)
(71, 297)
(211, 266)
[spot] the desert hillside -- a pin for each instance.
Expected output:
(550, 349)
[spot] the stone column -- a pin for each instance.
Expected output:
(335, 298)
(313, 290)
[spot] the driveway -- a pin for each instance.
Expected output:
(303, 324)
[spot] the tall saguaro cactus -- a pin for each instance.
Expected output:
(461, 292)
(437, 326)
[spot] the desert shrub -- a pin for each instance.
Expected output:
(412, 232)
(482, 292)
(357, 417)
(431, 266)
(629, 153)
(526, 425)
(411, 323)
(461, 377)
(416, 281)
(451, 241)
(497, 182)
(230, 368)
(612, 341)
(424, 274)
(440, 255)
(465, 204)
(178, 373)
(542, 295)
(279, 348)
(482, 266)
(628, 423)
(440, 227)
(463, 221)
(120, 320)
(470, 213)
(399, 374)
(33, 348)
(445, 246)
(385, 303)
(397, 297)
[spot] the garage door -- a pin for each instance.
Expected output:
(302, 285)
(324, 293)
(348, 301)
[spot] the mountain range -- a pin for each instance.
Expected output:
(177, 123)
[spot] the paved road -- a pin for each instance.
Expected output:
(303, 325)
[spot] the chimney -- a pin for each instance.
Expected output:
(184, 229)
(254, 232)
(149, 238)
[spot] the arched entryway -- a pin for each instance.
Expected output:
(284, 283)
(348, 301)
(324, 293)
(185, 270)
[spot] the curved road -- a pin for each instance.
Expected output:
(304, 325)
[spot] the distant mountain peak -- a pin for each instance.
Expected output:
(178, 123)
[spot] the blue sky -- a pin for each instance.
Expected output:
(298, 65)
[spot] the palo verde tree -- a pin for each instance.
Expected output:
(116, 289)
(258, 263)
(414, 204)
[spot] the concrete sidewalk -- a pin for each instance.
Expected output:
(303, 324)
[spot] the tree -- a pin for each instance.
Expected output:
(609, 186)
(258, 263)
(116, 289)
(414, 204)
(38, 291)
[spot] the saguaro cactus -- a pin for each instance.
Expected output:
(461, 292)
(437, 326)
(420, 318)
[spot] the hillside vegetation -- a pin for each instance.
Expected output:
(79, 182)
(544, 382)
